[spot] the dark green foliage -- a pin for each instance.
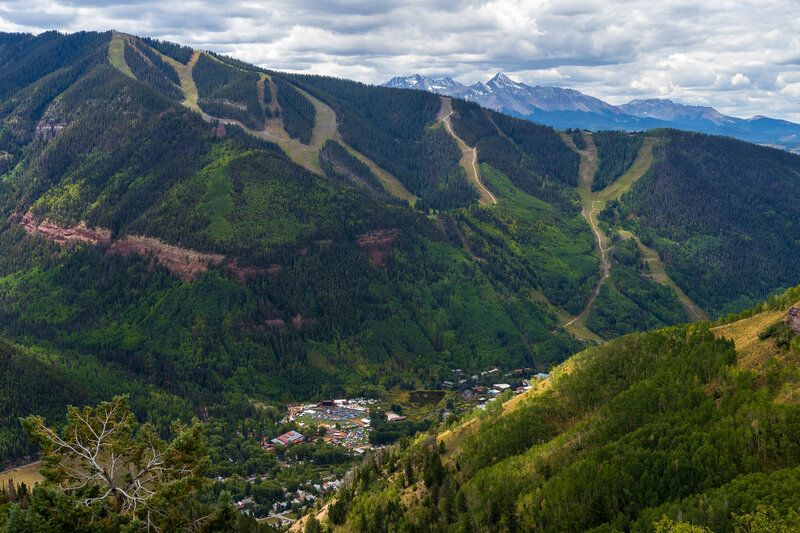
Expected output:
(60, 60)
(181, 54)
(165, 68)
(761, 503)
(400, 114)
(29, 386)
(577, 137)
(391, 127)
(631, 303)
(530, 245)
(471, 122)
(546, 151)
(626, 252)
(782, 302)
(779, 331)
(726, 242)
(658, 300)
(149, 72)
(340, 164)
(299, 115)
(616, 151)
(321, 454)
(384, 432)
(223, 110)
(442, 182)
(26, 59)
(534, 157)
(104, 150)
(229, 86)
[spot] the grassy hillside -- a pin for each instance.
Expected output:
(694, 424)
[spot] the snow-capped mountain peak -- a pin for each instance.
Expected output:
(568, 108)
(501, 81)
(423, 83)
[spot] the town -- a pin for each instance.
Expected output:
(346, 423)
(306, 466)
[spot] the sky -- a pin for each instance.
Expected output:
(740, 56)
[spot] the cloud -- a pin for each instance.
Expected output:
(739, 80)
(742, 56)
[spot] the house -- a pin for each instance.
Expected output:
(501, 386)
(394, 417)
(542, 375)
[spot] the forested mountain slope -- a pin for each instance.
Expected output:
(201, 260)
(695, 424)
(721, 214)
(220, 234)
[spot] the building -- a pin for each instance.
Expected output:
(291, 437)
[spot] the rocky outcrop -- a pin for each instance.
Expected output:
(53, 121)
(793, 319)
(61, 235)
(184, 263)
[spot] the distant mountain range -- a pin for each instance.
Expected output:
(567, 108)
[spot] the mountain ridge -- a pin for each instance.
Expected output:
(156, 242)
(565, 108)
(382, 294)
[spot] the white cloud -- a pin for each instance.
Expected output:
(740, 79)
(741, 56)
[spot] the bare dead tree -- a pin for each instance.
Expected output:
(107, 460)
